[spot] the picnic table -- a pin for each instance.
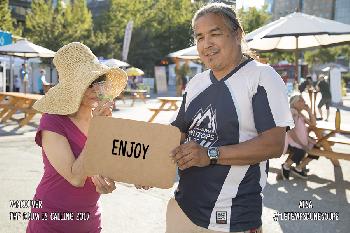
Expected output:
(312, 96)
(327, 134)
(166, 104)
(11, 102)
(135, 94)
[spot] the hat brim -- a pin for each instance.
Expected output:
(65, 98)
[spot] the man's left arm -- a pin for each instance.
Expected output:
(266, 145)
(271, 115)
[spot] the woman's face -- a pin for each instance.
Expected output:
(300, 104)
(90, 98)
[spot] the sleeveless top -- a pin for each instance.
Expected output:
(60, 199)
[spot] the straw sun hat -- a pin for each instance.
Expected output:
(77, 67)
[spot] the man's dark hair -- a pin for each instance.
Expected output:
(230, 18)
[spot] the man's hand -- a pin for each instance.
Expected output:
(190, 154)
(103, 185)
(142, 187)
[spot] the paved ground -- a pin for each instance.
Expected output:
(129, 210)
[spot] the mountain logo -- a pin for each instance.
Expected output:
(203, 127)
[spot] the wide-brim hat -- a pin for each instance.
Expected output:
(77, 68)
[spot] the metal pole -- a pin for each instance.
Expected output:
(296, 68)
(11, 74)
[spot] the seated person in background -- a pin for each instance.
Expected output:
(297, 140)
(133, 84)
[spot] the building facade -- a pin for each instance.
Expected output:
(97, 7)
(319, 8)
(342, 11)
(330, 9)
(20, 8)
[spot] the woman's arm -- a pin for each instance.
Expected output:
(61, 157)
(311, 119)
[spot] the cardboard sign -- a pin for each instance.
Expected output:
(131, 151)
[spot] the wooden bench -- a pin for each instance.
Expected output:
(157, 111)
(166, 104)
(134, 95)
(329, 154)
(18, 102)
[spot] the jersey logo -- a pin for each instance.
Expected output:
(203, 127)
(221, 217)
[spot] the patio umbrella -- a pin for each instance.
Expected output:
(115, 63)
(298, 31)
(25, 49)
(133, 71)
(187, 53)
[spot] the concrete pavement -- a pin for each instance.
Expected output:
(129, 210)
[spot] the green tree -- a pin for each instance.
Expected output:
(7, 23)
(77, 23)
(5, 16)
(253, 18)
(44, 24)
(54, 27)
(160, 27)
(111, 24)
(325, 55)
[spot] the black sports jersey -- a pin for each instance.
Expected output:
(248, 101)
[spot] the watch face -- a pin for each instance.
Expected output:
(212, 152)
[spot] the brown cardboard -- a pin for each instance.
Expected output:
(153, 168)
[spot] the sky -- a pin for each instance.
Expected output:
(249, 3)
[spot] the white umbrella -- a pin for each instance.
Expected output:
(298, 31)
(291, 33)
(25, 49)
(115, 63)
(187, 53)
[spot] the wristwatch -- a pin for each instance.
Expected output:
(213, 154)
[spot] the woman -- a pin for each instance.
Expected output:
(298, 140)
(68, 197)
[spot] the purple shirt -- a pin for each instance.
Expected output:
(57, 194)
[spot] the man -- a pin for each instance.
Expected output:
(42, 81)
(23, 72)
(233, 118)
(306, 85)
(323, 87)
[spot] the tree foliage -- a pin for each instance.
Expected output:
(54, 27)
(325, 55)
(253, 18)
(160, 27)
(5, 16)
(7, 23)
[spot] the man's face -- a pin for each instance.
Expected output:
(217, 45)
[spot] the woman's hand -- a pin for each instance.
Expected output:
(104, 108)
(307, 108)
(104, 185)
